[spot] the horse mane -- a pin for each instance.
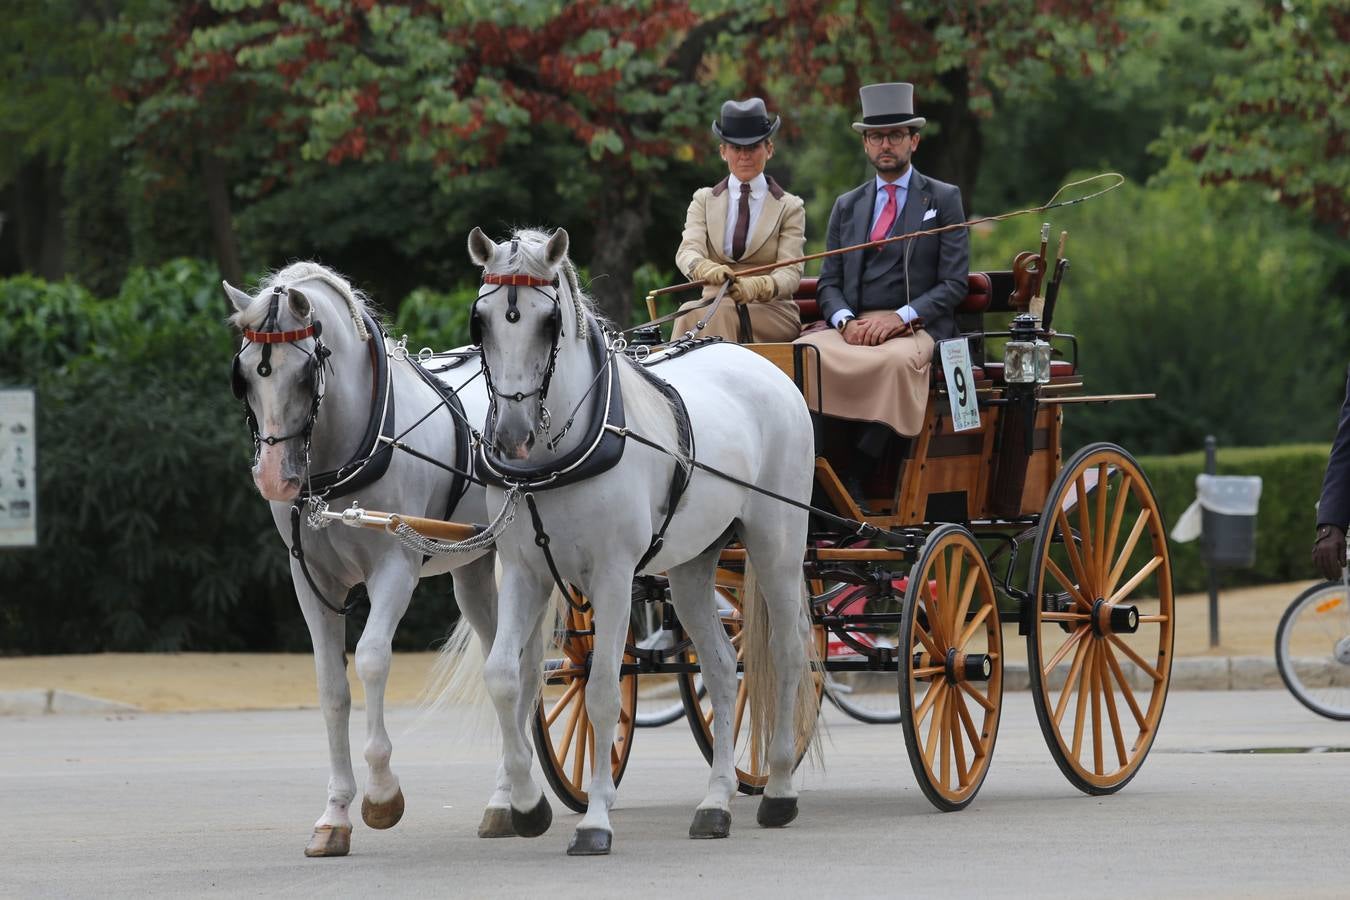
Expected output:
(646, 410)
(358, 304)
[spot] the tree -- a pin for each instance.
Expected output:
(1277, 113)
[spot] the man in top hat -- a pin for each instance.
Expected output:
(887, 307)
(1333, 510)
(745, 220)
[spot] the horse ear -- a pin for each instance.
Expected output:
(557, 247)
(237, 297)
(481, 247)
(300, 304)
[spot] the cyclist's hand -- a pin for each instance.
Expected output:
(1329, 552)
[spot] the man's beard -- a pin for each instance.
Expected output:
(890, 165)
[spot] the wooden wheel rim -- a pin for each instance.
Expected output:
(564, 735)
(951, 754)
(750, 772)
(1099, 725)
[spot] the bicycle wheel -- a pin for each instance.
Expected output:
(658, 700)
(1312, 649)
(866, 695)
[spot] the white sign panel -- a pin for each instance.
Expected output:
(960, 384)
(18, 468)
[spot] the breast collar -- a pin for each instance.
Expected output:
(600, 449)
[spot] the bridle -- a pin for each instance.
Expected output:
(512, 316)
(314, 371)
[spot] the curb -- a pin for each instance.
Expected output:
(37, 702)
(1207, 673)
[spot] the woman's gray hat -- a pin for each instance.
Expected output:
(889, 105)
(745, 122)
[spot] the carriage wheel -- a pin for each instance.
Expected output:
(951, 672)
(1101, 627)
(751, 771)
(563, 734)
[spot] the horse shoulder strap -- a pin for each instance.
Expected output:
(679, 479)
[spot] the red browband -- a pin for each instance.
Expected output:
(516, 280)
(278, 337)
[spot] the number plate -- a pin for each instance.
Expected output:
(960, 384)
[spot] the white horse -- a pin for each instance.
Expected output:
(325, 392)
(553, 391)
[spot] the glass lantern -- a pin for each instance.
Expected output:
(1026, 358)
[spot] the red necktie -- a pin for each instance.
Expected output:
(887, 217)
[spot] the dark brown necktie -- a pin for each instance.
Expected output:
(742, 224)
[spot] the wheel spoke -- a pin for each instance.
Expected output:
(1065, 617)
(1104, 680)
(1093, 688)
(933, 728)
(1079, 718)
(573, 722)
(1064, 649)
(1085, 533)
(1150, 620)
(563, 700)
(953, 587)
(1117, 516)
(929, 671)
(1135, 580)
(742, 695)
(958, 749)
(1067, 583)
(1125, 688)
(926, 640)
(977, 696)
(579, 761)
(1135, 658)
(936, 605)
(935, 690)
(963, 607)
(1071, 550)
(1074, 672)
(943, 724)
(1124, 559)
(976, 745)
(1099, 531)
(974, 624)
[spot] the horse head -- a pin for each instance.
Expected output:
(529, 289)
(279, 374)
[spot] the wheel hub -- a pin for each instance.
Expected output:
(968, 666)
(1342, 651)
(1110, 618)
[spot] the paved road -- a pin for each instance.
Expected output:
(221, 803)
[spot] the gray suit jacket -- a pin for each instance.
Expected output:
(937, 264)
(1334, 507)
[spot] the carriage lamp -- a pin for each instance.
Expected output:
(1026, 358)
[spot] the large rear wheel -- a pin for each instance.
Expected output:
(563, 733)
(951, 668)
(1101, 622)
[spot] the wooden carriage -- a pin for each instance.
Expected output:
(916, 598)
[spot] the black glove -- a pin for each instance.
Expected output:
(1329, 552)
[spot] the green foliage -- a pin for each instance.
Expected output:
(1291, 481)
(1208, 298)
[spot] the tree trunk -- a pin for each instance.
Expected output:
(953, 154)
(41, 211)
(222, 223)
(621, 227)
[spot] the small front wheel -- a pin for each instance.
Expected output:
(1312, 649)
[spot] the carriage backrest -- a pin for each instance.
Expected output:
(985, 292)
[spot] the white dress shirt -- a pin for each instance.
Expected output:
(759, 186)
(906, 312)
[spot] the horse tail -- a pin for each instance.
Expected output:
(456, 677)
(761, 676)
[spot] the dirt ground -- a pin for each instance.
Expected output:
(235, 681)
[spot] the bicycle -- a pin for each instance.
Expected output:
(1312, 648)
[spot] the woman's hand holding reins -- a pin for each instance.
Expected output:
(712, 273)
(752, 289)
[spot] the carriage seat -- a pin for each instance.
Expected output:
(979, 299)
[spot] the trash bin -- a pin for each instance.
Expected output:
(1223, 516)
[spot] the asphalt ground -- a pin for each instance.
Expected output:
(221, 803)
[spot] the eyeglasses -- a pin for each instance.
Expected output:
(877, 138)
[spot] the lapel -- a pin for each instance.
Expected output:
(917, 201)
(716, 217)
(769, 215)
(862, 214)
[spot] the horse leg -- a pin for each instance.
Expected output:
(390, 588)
(610, 594)
(691, 592)
(327, 631)
(476, 595)
(780, 583)
(521, 607)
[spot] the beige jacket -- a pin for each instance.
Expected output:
(780, 233)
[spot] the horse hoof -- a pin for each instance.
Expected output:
(775, 812)
(330, 840)
(590, 842)
(535, 822)
(382, 815)
(496, 823)
(710, 823)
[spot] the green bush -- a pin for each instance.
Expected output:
(1291, 481)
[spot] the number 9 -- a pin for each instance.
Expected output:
(962, 395)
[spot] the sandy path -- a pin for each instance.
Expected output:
(201, 681)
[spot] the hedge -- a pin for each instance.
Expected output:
(1291, 481)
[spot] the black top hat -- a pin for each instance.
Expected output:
(745, 122)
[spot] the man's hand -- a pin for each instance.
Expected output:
(712, 273)
(752, 289)
(1329, 552)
